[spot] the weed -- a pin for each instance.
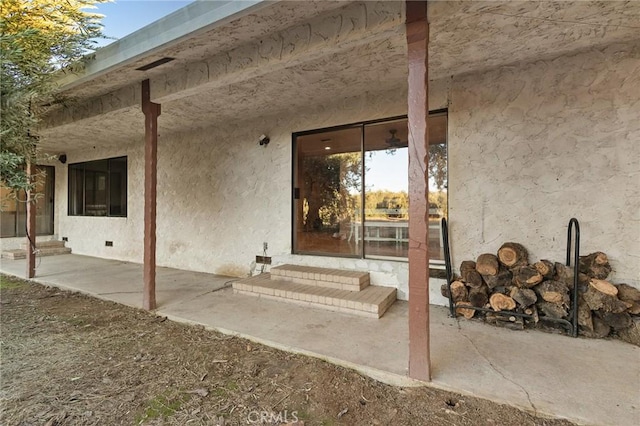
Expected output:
(7, 283)
(160, 407)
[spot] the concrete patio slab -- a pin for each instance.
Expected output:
(587, 381)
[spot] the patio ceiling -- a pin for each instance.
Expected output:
(354, 59)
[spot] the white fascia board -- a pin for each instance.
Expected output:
(196, 17)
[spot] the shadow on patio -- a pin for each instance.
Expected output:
(588, 381)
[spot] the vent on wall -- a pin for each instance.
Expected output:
(108, 243)
(154, 64)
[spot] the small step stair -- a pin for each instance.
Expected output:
(44, 248)
(322, 277)
(331, 289)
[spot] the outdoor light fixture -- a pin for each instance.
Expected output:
(327, 148)
(62, 158)
(264, 140)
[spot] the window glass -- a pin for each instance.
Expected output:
(13, 211)
(328, 180)
(98, 188)
(95, 185)
(118, 187)
(337, 170)
(386, 225)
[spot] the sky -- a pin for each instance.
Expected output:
(122, 17)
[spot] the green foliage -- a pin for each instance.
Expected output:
(38, 39)
(160, 408)
(438, 165)
(7, 282)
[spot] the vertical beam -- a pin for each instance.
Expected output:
(31, 223)
(151, 112)
(417, 44)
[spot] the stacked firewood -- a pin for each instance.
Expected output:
(507, 282)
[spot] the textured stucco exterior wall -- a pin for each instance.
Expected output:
(533, 145)
(86, 234)
(221, 195)
(529, 147)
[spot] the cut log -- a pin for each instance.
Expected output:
(526, 276)
(465, 312)
(459, 291)
(601, 295)
(595, 265)
(631, 334)
(564, 273)
(634, 309)
(444, 290)
(533, 311)
(513, 255)
(552, 310)
(617, 321)
(501, 279)
(502, 302)
(472, 278)
(546, 268)
(510, 322)
(631, 296)
(604, 287)
(524, 296)
(479, 297)
(584, 315)
(600, 329)
(466, 265)
(553, 291)
(628, 293)
(487, 264)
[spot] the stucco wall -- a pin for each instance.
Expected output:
(529, 146)
(533, 145)
(87, 234)
(221, 195)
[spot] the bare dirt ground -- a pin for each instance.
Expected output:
(69, 359)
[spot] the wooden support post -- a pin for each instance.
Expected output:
(31, 223)
(151, 112)
(417, 43)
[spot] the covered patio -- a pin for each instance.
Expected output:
(528, 88)
(586, 381)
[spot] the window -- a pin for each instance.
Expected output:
(98, 188)
(13, 207)
(351, 189)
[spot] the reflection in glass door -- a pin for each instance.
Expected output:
(386, 209)
(328, 192)
(351, 189)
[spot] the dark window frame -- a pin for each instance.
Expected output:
(294, 165)
(109, 173)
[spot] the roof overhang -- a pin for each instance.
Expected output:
(239, 59)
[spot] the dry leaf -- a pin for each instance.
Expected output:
(202, 392)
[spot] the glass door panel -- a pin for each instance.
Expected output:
(14, 209)
(386, 214)
(328, 192)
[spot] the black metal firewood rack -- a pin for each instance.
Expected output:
(573, 247)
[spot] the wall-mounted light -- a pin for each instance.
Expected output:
(62, 158)
(264, 140)
(327, 148)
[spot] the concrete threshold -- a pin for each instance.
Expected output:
(586, 381)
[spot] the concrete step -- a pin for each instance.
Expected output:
(321, 277)
(371, 301)
(22, 254)
(45, 244)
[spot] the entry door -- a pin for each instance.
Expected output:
(14, 217)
